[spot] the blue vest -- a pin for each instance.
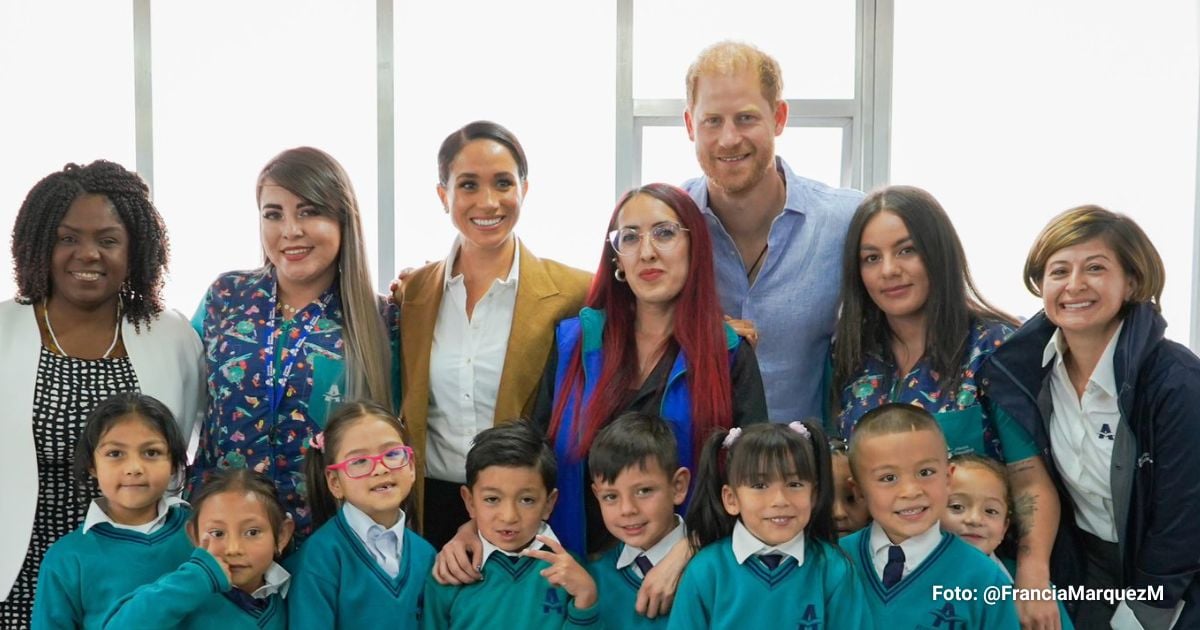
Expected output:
(569, 519)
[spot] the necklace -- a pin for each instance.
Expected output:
(50, 329)
(754, 265)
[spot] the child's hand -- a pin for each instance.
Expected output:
(206, 542)
(564, 571)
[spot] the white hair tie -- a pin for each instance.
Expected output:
(799, 427)
(732, 436)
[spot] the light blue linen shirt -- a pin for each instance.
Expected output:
(385, 544)
(794, 299)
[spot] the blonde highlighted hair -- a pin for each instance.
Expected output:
(727, 58)
(316, 177)
(1133, 248)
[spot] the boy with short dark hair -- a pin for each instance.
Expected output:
(638, 483)
(910, 567)
(530, 581)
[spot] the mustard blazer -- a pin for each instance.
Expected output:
(547, 291)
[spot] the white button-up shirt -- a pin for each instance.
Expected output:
(465, 364)
(657, 551)
(746, 544)
(916, 549)
(385, 544)
(97, 513)
(1082, 434)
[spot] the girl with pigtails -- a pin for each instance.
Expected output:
(762, 513)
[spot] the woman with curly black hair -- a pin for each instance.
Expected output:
(89, 254)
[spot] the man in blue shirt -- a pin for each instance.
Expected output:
(777, 237)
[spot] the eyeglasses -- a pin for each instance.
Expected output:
(664, 237)
(363, 465)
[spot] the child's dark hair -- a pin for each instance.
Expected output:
(322, 502)
(116, 408)
(887, 420)
(516, 444)
(762, 452)
(242, 481)
(634, 438)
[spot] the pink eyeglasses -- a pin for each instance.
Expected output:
(362, 465)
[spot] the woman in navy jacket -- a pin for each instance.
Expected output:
(1116, 407)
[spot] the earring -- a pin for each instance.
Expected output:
(619, 274)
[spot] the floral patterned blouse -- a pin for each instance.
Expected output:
(970, 422)
(254, 419)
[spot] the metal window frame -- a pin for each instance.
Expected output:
(864, 120)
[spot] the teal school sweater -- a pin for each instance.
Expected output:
(192, 598)
(909, 604)
(83, 574)
(339, 584)
(512, 594)
(717, 592)
(619, 591)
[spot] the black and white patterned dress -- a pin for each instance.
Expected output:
(67, 390)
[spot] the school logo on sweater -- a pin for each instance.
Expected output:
(945, 618)
(333, 395)
(1105, 432)
(810, 620)
(552, 602)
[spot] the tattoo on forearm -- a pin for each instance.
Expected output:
(1024, 508)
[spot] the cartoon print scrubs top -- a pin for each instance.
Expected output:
(271, 383)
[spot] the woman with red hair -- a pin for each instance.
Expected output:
(650, 339)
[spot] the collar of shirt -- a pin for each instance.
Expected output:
(745, 544)
(448, 267)
(97, 514)
(275, 580)
(488, 547)
(657, 552)
(916, 549)
(372, 533)
(1103, 375)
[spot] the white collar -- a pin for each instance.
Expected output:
(275, 580)
(97, 514)
(1104, 374)
(658, 551)
(448, 266)
(363, 524)
(916, 548)
(488, 547)
(746, 544)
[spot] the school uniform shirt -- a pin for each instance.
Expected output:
(512, 594)
(465, 365)
(909, 604)
(728, 585)
(88, 570)
(198, 596)
(341, 583)
(98, 513)
(272, 381)
(618, 579)
(385, 544)
(916, 549)
(1082, 432)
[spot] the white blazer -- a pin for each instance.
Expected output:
(167, 358)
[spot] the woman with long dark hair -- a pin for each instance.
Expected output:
(915, 330)
(289, 341)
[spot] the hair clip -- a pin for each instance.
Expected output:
(799, 427)
(318, 441)
(731, 437)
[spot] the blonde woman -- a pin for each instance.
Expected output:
(287, 342)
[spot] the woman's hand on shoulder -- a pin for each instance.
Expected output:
(657, 593)
(744, 328)
(454, 564)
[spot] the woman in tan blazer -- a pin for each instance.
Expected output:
(476, 328)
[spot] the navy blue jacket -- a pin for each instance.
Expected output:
(1155, 474)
